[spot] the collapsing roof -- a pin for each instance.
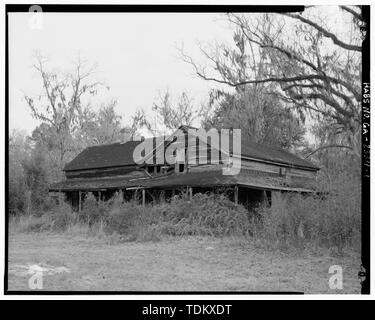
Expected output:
(112, 166)
(121, 154)
(247, 178)
(273, 154)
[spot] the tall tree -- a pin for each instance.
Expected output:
(173, 113)
(312, 67)
(262, 117)
(168, 114)
(19, 149)
(103, 127)
(62, 103)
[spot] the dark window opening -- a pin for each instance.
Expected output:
(282, 172)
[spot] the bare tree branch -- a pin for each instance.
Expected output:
(351, 11)
(325, 32)
(326, 147)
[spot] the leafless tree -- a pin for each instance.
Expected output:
(61, 104)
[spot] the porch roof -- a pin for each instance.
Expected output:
(205, 179)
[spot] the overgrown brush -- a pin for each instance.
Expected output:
(205, 214)
(63, 217)
(30, 223)
(58, 218)
(299, 220)
(293, 220)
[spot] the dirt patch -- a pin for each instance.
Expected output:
(176, 264)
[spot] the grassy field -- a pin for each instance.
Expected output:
(182, 264)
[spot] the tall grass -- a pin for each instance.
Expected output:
(321, 221)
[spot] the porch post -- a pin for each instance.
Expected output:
(79, 201)
(28, 202)
(264, 196)
(236, 194)
(143, 197)
(60, 198)
(162, 196)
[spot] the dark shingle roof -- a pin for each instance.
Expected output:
(121, 154)
(103, 156)
(274, 154)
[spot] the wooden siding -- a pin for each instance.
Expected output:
(103, 172)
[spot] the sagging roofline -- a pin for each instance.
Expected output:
(137, 166)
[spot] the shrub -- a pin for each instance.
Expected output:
(205, 214)
(90, 212)
(62, 217)
(125, 218)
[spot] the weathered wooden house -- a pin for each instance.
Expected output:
(106, 169)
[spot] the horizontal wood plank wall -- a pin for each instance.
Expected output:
(105, 172)
(273, 168)
(261, 167)
(208, 158)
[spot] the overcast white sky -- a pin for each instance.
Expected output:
(136, 54)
